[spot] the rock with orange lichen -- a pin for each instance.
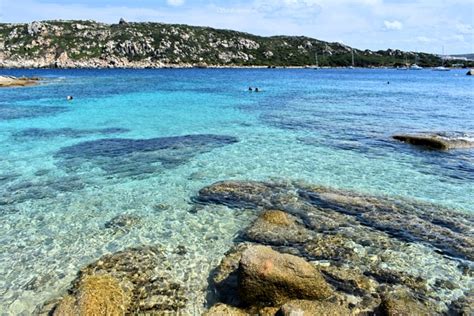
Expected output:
(269, 278)
(96, 295)
(132, 281)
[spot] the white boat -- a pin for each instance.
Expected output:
(353, 63)
(415, 67)
(441, 68)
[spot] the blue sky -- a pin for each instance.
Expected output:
(421, 25)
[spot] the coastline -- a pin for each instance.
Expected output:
(189, 66)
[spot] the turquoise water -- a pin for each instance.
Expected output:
(62, 178)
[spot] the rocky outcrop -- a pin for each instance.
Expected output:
(9, 81)
(436, 141)
(358, 254)
(89, 44)
(131, 282)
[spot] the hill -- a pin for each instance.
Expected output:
(84, 44)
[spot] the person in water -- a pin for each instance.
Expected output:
(256, 90)
(250, 89)
(70, 98)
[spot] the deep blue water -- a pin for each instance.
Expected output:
(145, 141)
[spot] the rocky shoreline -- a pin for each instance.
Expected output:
(311, 251)
(10, 81)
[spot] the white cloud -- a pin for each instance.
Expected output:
(466, 29)
(175, 3)
(424, 39)
(393, 25)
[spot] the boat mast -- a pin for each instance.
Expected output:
(316, 59)
(442, 57)
(352, 51)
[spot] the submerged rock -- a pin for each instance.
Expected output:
(436, 141)
(123, 222)
(42, 133)
(139, 157)
(225, 310)
(463, 306)
(406, 220)
(332, 247)
(269, 278)
(402, 303)
(132, 281)
(22, 191)
(8, 112)
(311, 308)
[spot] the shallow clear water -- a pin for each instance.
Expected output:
(328, 127)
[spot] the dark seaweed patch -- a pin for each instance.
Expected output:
(139, 157)
(42, 133)
(18, 112)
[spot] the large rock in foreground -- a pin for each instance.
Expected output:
(371, 250)
(436, 141)
(267, 277)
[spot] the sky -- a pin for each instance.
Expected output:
(414, 25)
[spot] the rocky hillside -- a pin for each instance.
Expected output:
(65, 44)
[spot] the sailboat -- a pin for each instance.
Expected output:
(316, 59)
(404, 67)
(442, 68)
(415, 65)
(352, 65)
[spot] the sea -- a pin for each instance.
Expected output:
(142, 143)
